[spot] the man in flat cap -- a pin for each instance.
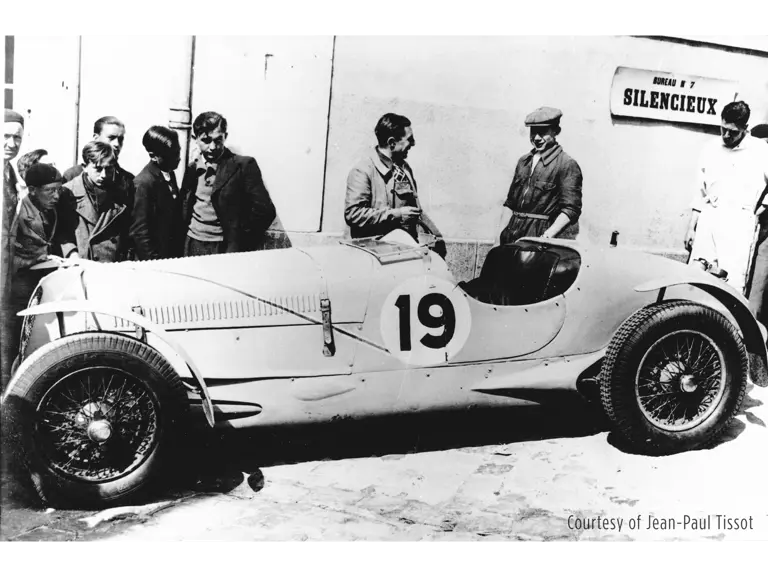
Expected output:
(544, 199)
(14, 132)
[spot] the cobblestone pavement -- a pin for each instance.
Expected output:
(512, 474)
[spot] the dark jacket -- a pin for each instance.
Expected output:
(99, 237)
(240, 199)
(34, 239)
(157, 220)
(553, 188)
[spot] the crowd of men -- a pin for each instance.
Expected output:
(97, 210)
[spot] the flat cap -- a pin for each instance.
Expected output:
(760, 131)
(544, 116)
(13, 116)
(43, 174)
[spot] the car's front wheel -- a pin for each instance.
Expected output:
(674, 376)
(96, 416)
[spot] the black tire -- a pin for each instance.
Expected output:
(96, 416)
(674, 376)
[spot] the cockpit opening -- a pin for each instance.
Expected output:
(524, 272)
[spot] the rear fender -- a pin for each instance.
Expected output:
(753, 332)
(142, 322)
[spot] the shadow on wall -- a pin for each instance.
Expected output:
(276, 237)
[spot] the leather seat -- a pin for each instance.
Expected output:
(524, 273)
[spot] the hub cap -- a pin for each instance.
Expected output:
(97, 424)
(681, 380)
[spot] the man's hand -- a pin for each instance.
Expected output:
(440, 248)
(407, 213)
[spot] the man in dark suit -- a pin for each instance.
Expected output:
(157, 223)
(226, 206)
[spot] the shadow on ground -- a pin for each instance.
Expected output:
(731, 432)
(218, 460)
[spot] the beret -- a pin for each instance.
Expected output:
(544, 116)
(42, 175)
(760, 131)
(13, 116)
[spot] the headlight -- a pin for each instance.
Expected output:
(28, 322)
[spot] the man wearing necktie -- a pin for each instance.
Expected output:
(157, 223)
(381, 189)
(227, 208)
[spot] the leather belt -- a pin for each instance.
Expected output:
(527, 215)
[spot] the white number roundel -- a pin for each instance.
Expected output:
(425, 321)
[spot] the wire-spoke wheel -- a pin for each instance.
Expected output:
(673, 377)
(96, 415)
(98, 424)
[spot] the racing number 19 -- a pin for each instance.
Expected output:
(446, 320)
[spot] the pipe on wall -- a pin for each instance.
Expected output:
(78, 84)
(180, 111)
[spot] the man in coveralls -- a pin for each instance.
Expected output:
(544, 199)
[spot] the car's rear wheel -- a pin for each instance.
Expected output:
(674, 376)
(96, 416)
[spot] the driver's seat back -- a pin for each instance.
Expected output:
(515, 274)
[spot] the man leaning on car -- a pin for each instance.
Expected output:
(226, 206)
(544, 198)
(381, 190)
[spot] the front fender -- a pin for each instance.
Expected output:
(753, 332)
(103, 308)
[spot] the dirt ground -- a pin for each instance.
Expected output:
(518, 474)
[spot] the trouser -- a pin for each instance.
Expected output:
(757, 286)
(16, 300)
(194, 247)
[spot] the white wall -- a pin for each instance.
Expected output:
(45, 92)
(278, 115)
(468, 97)
(135, 78)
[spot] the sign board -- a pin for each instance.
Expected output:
(670, 97)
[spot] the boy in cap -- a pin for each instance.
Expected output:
(36, 231)
(37, 217)
(544, 198)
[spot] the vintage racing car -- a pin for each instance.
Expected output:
(116, 359)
